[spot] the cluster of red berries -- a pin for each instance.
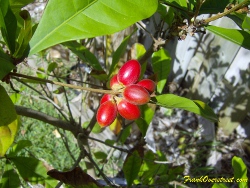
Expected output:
(130, 94)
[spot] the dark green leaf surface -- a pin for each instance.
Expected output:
(9, 178)
(195, 106)
(213, 6)
(6, 64)
(16, 5)
(239, 37)
(79, 19)
(18, 147)
(8, 25)
(161, 61)
(131, 167)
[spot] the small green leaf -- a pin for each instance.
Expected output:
(10, 178)
(125, 133)
(86, 19)
(6, 64)
(239, 37)
(219, 185)
(131, 167)
(52, 66)
(118, 53)
(240, 171)
(139, 50)
(8, 121)
(31, 169)
(195, 106)
(84, 54)
(147, 114)
(97, 129)
(246, 23)
(100, 155)
(161, 61)
(8, 25)
(21, 144)
(24, 37)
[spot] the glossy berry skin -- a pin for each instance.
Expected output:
(128, 111)
(114, 84)
(106, 97)
(106, 113)
(136, 94)
(148, 84)
(129, 73)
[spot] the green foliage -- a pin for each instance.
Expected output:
(8, 122)
(6, 64)
(240, 171)
(195, 106)
(239, 37)
(10, 178)
(79, 22)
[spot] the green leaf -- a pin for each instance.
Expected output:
(84, 54)
(24, 37)
(79, 19)
(239, 37)
(240, 171)
(118, 53)
(161, 62)
(10, 178)
(6, 64)
(21, 144)
(8, 25)
(31, 169)
(195, 106)
(8, 121)
(125, 134)
(131, 167)
(219, 185)
(147, 114)
(100, 155)
(246, 23)
(16, 5)
(214, 7)
(52, 66)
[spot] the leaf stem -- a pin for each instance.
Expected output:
(220, 15)
(64, 84)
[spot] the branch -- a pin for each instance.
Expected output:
(206, 21)
(23, 111)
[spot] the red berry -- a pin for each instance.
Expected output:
(148, 84)
(106, 97)
(128, 111)
(114, 84)
(136, 94)
(129, 73)
(106, 113)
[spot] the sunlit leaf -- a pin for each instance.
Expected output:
(79, 19)
(239, 37)
(240, 171)
(116, 126)
(195, 106)
(8, 121)
(10, 178)
(161, 62)
(131, 167)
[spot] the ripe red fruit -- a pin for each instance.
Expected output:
(128, 111)
(148, 84)
(106, 97)
(106, 113)
(136, 94)
(129, 72)
(114, 84)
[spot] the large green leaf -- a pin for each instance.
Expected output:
(21, 144)
(8, 25)
(31, 169)
(239, 37)
(195, 106)
(161, 61)
(8, 121)
(77, 19)
(240, 171)
(10, 178)
(131, 167)
(6, 64)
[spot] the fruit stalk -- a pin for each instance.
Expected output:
(65, 85)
